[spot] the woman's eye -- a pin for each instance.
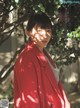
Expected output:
(39, 31)
(48, 31)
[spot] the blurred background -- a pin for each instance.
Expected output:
(64, 46)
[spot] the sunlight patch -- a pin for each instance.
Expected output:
(32, 99)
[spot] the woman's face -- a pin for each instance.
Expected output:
(40, 36)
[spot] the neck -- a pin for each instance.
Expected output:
(41, 49)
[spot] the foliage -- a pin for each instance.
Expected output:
(66, 46)
(6, 91)
(75, 34)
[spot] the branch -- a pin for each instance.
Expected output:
(15, 24)
(9, 66)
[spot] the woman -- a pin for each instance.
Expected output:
(36, 76)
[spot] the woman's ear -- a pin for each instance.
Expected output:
(28, 33)
(31, 33)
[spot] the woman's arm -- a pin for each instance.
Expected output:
(26, 85)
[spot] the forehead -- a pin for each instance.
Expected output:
(41, 26)
(39, 29)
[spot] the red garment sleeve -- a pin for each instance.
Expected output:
(25, 85)
(16, 90)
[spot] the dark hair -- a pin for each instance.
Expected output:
(40, 20)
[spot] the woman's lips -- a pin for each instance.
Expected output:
(44, 41)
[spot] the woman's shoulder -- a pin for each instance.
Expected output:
(26, 56)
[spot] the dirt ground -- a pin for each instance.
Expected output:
(75, 100)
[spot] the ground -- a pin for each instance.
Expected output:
(74, 99)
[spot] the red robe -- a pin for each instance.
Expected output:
(35, 85)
